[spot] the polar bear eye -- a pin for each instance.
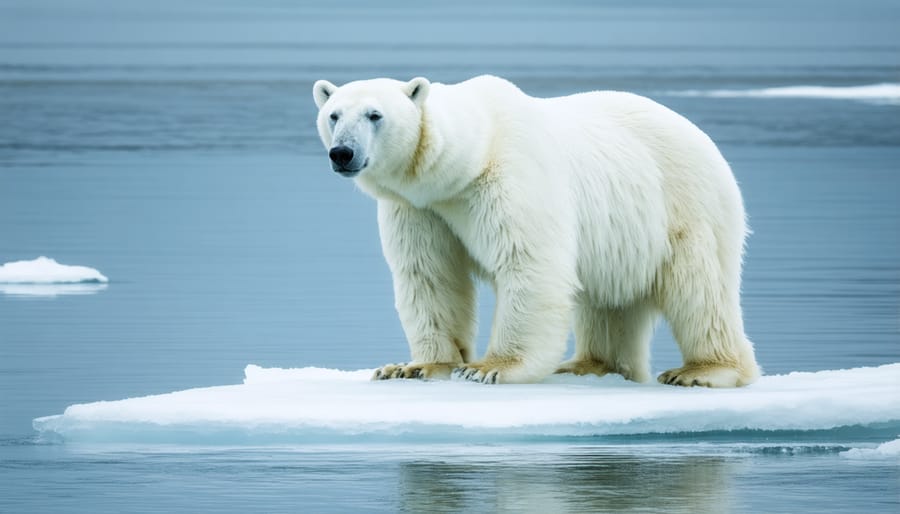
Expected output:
(334, 116)
(374, 116)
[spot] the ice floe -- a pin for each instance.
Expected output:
(46, 277)
(310, 405)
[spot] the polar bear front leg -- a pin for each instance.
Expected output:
(528, 337)
(433, 291)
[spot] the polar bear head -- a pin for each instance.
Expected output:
(370, 126)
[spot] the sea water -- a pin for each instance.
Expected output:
(171, 146)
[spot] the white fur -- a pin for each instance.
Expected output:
(604, 209)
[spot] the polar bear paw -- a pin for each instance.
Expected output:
(584, 366)
(495, 370)
(475, 373)
(414, 370)
(704, 375)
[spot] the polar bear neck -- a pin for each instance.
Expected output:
(451, 151)
(423, 148)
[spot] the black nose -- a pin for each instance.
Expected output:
(341, 155)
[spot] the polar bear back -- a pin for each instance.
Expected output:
(636, 174)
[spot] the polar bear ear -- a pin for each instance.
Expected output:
(417, 90)
(322, 91)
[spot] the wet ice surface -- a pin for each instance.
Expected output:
(171, 145)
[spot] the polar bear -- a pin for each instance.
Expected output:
(604, 210)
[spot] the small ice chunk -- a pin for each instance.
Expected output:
(45, 270)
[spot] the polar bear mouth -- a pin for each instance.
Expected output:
(349, 172)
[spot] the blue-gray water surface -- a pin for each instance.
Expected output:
(172, 146)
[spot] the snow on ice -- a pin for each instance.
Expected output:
(307, 405)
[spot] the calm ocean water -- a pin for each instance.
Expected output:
(172, 146)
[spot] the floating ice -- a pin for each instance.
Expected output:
(888, 450)
(46, 277)
(876, 93)
(312, 405)
(45, 270)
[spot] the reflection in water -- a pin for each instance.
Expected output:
(51, 290)
(583, 482)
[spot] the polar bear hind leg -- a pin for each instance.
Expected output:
(699, 293)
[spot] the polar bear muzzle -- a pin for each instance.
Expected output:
(342, 161)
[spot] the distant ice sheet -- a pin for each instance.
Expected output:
(875, 93)
(46, 277)
(312, 405)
